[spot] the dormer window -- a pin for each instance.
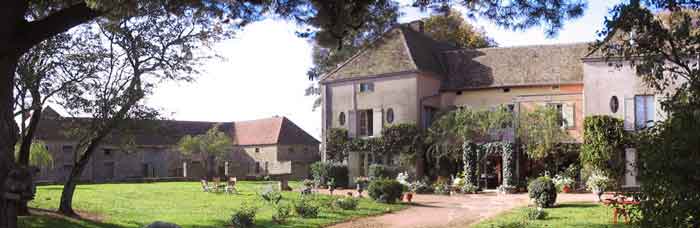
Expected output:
(366, 87)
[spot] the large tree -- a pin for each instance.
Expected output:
(210, 147)
(661, 41)
(332, 19)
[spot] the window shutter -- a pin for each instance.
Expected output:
(378, 121)
(352, 123)
(629, 113)
(568, 115)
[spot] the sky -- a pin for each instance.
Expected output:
(263, 73)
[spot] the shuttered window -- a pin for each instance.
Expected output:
(643, 111)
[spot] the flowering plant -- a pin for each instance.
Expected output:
(560, 181)
(403, 179)
(597, 181)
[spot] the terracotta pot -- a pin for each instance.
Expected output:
(566, 189)
(408, 197)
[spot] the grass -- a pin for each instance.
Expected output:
(577, 215)
(183, 203)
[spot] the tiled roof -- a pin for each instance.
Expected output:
(514, 66)
(401, 49)
(404, 49)
(276, 130)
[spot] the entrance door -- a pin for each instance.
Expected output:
(491, 172)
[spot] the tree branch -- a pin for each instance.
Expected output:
(36, 31)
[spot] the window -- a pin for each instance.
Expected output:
(257, 167)
(291, 150)
(341, 118)
(555, 87)
(510, 108)
(506, 90)
(366, 87)
(108, 152)
(257, 150)
(643, 111)
(390, 115)
(566, 114)
(365, 122)
(614, 104)
(459, 92)
(67, 149)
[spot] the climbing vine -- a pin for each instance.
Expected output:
(473, 154)
(604, 139)
(337, 144)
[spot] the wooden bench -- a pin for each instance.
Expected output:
(619, 201)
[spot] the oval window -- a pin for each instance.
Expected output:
(341, 118)
(614, 104)
(390, 115)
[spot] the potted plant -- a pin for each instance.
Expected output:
(403, 179)
(361, 183)
(331, 185)
(596, 183)
(563, 183)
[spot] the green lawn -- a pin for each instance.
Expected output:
(577, 215)
(184, 203)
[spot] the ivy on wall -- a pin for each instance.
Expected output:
(337, 142)
(604, 140)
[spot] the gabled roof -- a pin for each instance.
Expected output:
(401, 49)
(275, 130)
(514, 66)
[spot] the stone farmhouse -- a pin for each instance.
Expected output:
(148, 149)
(407, 77)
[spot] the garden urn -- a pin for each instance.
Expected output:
(566, 189)
(408, 197)
(598, 192)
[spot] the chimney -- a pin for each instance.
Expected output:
(417, 25)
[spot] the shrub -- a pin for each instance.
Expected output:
(282, 213)
(421, 187)
(543, 191)
(597, 181)
(441, 186)
(271, 195)
(469, 188)
(339, 173)
(244, 217)
(320, 171)
(305, 208)
(382, 172)
(536, 213)
(385, 190)
(346, 203)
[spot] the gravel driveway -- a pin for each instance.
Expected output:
(451, 211)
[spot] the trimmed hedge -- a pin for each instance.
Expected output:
(543, 191)
(385, 190)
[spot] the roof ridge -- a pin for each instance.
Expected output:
(519, 46)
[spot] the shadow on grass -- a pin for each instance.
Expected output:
(60, 222)
(576, 205)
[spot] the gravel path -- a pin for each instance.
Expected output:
(432, 211)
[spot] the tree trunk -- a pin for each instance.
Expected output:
(8, 137)
(25, 150)
(66, 204)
